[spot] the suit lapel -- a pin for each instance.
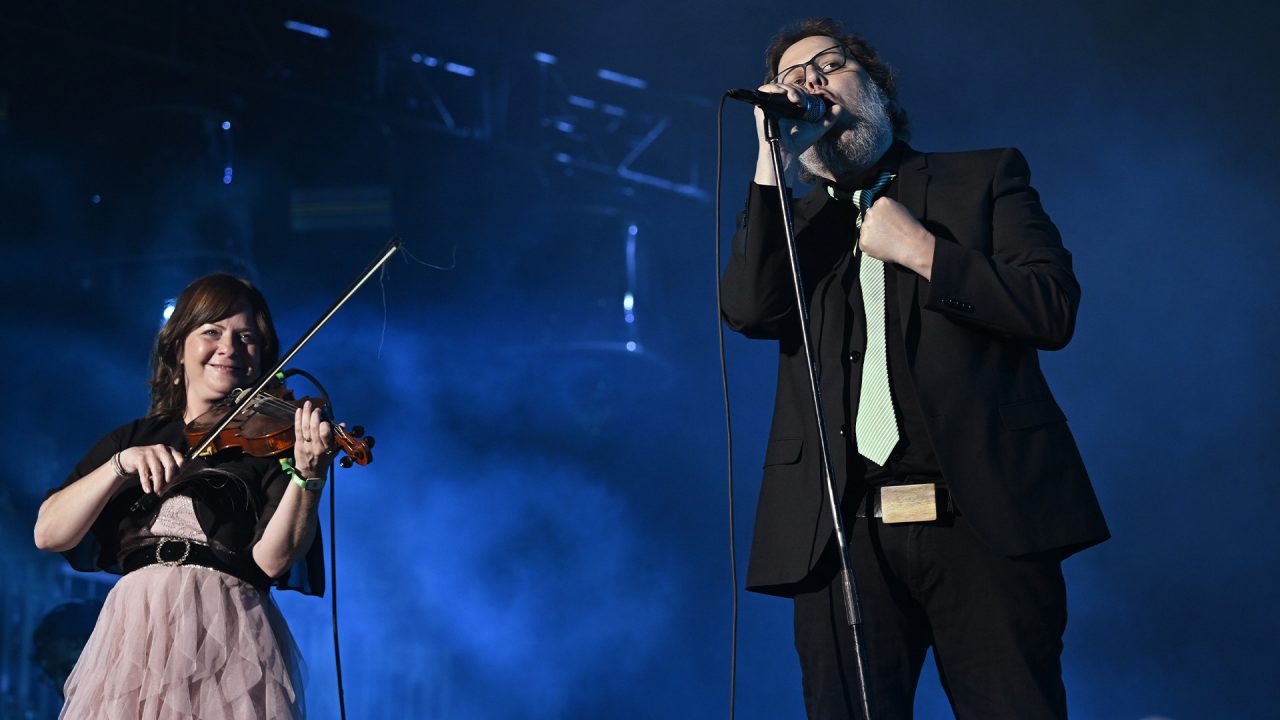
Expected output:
(806, 208)
(913, 183)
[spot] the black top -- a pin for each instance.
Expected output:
(232, 506)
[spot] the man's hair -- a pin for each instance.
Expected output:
(862, 52)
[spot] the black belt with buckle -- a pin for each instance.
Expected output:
(174, 552)
(892, 502)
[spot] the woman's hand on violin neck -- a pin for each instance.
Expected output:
(313, 441)
(156, 467)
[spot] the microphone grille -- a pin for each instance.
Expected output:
(815, 108)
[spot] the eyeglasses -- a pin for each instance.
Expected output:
(829, 61)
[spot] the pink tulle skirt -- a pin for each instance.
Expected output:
(186, 642)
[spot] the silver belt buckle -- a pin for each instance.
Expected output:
(186, 550)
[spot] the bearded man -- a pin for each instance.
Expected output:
(933, 279)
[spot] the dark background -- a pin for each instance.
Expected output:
(543, 532)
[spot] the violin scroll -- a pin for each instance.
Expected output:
(358, 449)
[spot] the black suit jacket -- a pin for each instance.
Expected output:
(1002, 288)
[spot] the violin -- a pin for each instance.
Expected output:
(259, 436)
(263, 427)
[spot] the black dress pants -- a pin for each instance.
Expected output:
(995, 624)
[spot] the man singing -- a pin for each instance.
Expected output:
(933, 279)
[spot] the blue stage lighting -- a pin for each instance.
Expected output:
(226, 124)
(545, 58)
(631, 346)
(167, 312)
(313, 30)
(621, 79)
(582, 102)
(457, 69)
(564, 127)
(226, 175)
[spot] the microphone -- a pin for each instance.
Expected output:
(811, 109)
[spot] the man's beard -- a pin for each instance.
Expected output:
(852, 147)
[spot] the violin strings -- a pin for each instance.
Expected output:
(280, 404)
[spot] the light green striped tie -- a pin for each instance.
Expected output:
(876, 427)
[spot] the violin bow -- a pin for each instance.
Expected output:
(245, 397)
(146, 502)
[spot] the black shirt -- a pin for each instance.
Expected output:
(233, 507)
(913, 457)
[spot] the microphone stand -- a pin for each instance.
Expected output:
(849, 586)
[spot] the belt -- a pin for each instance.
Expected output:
(924, 502)
(175, 552)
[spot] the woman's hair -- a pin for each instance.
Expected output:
(858, 48)
(208, 299)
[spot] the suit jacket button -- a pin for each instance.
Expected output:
(844, 431)
(855, 356)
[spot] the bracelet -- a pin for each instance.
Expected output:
(115, 465)
(308, 483)
(295, 477)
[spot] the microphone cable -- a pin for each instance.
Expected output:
(333, 547)
(728, 421)
(333, 588)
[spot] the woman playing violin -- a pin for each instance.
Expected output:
(191, 630)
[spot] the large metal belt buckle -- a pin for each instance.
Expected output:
(186, 550)
(908, 503)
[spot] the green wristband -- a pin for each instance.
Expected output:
(295, 477)
(308, 483)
